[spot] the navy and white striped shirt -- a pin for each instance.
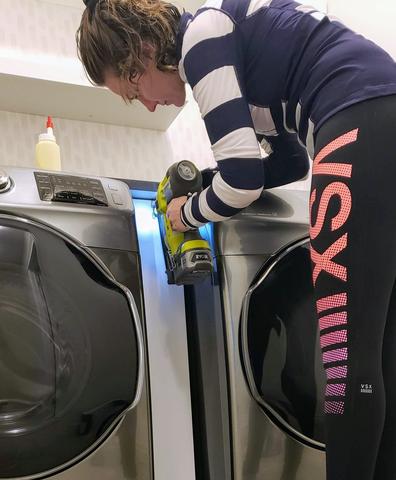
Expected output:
(271, 69)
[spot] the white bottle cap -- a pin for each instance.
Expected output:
(49, 136)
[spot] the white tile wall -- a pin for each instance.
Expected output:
(375, 20)
(188, 136)
(39, 26)
(88, 148)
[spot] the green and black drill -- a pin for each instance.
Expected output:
(188, 257)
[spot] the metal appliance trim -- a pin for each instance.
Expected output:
(139, 336)
(272, 263)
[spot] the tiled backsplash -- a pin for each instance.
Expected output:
(188, 137)
(39, 26)
(89, 148)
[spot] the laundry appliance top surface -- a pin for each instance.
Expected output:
(278, 218)
(96, 211)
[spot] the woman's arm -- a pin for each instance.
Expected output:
(287, 162)
(212, 63)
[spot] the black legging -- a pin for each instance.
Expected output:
(353, 239)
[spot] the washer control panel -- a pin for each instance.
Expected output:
(70, 189)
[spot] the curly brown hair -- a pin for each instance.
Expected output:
(114, 34)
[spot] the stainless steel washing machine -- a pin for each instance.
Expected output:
(257, 376)
(74, 396)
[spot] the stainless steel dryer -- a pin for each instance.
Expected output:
(256, 370)
(71, 337)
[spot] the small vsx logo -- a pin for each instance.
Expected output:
(366, 388)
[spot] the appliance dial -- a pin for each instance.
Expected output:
(5, 182)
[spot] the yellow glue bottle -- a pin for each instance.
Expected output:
(47, 150)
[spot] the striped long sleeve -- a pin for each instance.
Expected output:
(211, 62)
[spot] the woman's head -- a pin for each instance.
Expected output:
(129, 45)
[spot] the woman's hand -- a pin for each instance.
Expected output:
(173, 214)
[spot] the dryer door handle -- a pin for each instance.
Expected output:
(137, 323)
(140, 346)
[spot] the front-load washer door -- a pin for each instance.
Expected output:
(70, 350)
(280, 346)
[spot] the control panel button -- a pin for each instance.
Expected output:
(46, 194)
(117, 199)
(74, 196)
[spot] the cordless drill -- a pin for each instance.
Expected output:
(188, 257)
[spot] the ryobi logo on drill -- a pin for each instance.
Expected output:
(200, 257)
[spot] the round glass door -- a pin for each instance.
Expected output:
(280, 344)
(70, 350)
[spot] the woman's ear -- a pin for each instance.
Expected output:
(148, 52)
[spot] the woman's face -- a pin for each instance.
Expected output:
(153, 87)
